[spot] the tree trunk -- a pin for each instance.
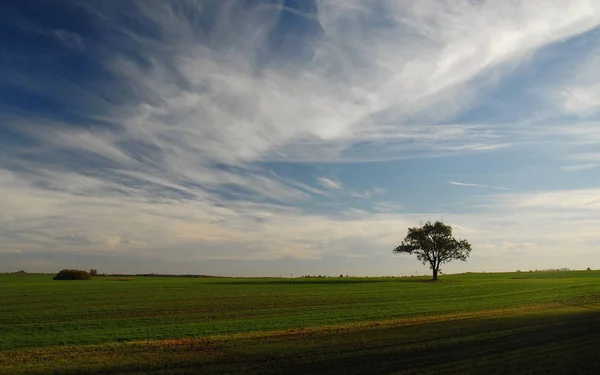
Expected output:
(435, 273)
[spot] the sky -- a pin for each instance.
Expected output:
(271, 138)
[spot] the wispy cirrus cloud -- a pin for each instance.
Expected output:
(302, 104)
(369, 193)
(456, 183)
(580, 94)
(578, 167)
(575, 200)
(582, 101)
(330, 184)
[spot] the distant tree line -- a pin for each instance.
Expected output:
(321, 276)
(553, 270)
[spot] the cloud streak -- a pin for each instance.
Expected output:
(579, 167)
(330, 184)
(455, 183)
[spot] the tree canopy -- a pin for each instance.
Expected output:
(72, 275)
(434, 244)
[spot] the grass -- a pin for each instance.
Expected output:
(471, 323)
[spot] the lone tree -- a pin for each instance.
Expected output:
(434, 244)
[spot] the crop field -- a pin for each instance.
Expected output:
(513, 323)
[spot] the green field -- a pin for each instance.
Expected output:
(513, 323)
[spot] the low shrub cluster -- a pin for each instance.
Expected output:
(73, 275)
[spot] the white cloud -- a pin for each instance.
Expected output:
(582, 101)
(479, 185)
(209, 104)
(426, 52)
(580, 91)
(388, 207)
(69, 39)
(330, 184)
(113, 242)
(578, 167)
(368, 193)
(10, 251)
(577, 200)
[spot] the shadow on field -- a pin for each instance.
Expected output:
(555, 343)
(559, 344)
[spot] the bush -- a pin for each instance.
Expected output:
(72, 275)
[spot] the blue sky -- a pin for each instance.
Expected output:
(275, 137)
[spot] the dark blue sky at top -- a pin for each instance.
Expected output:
(36, 61)
(52, 48)
(49, 46)
(55, 58)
